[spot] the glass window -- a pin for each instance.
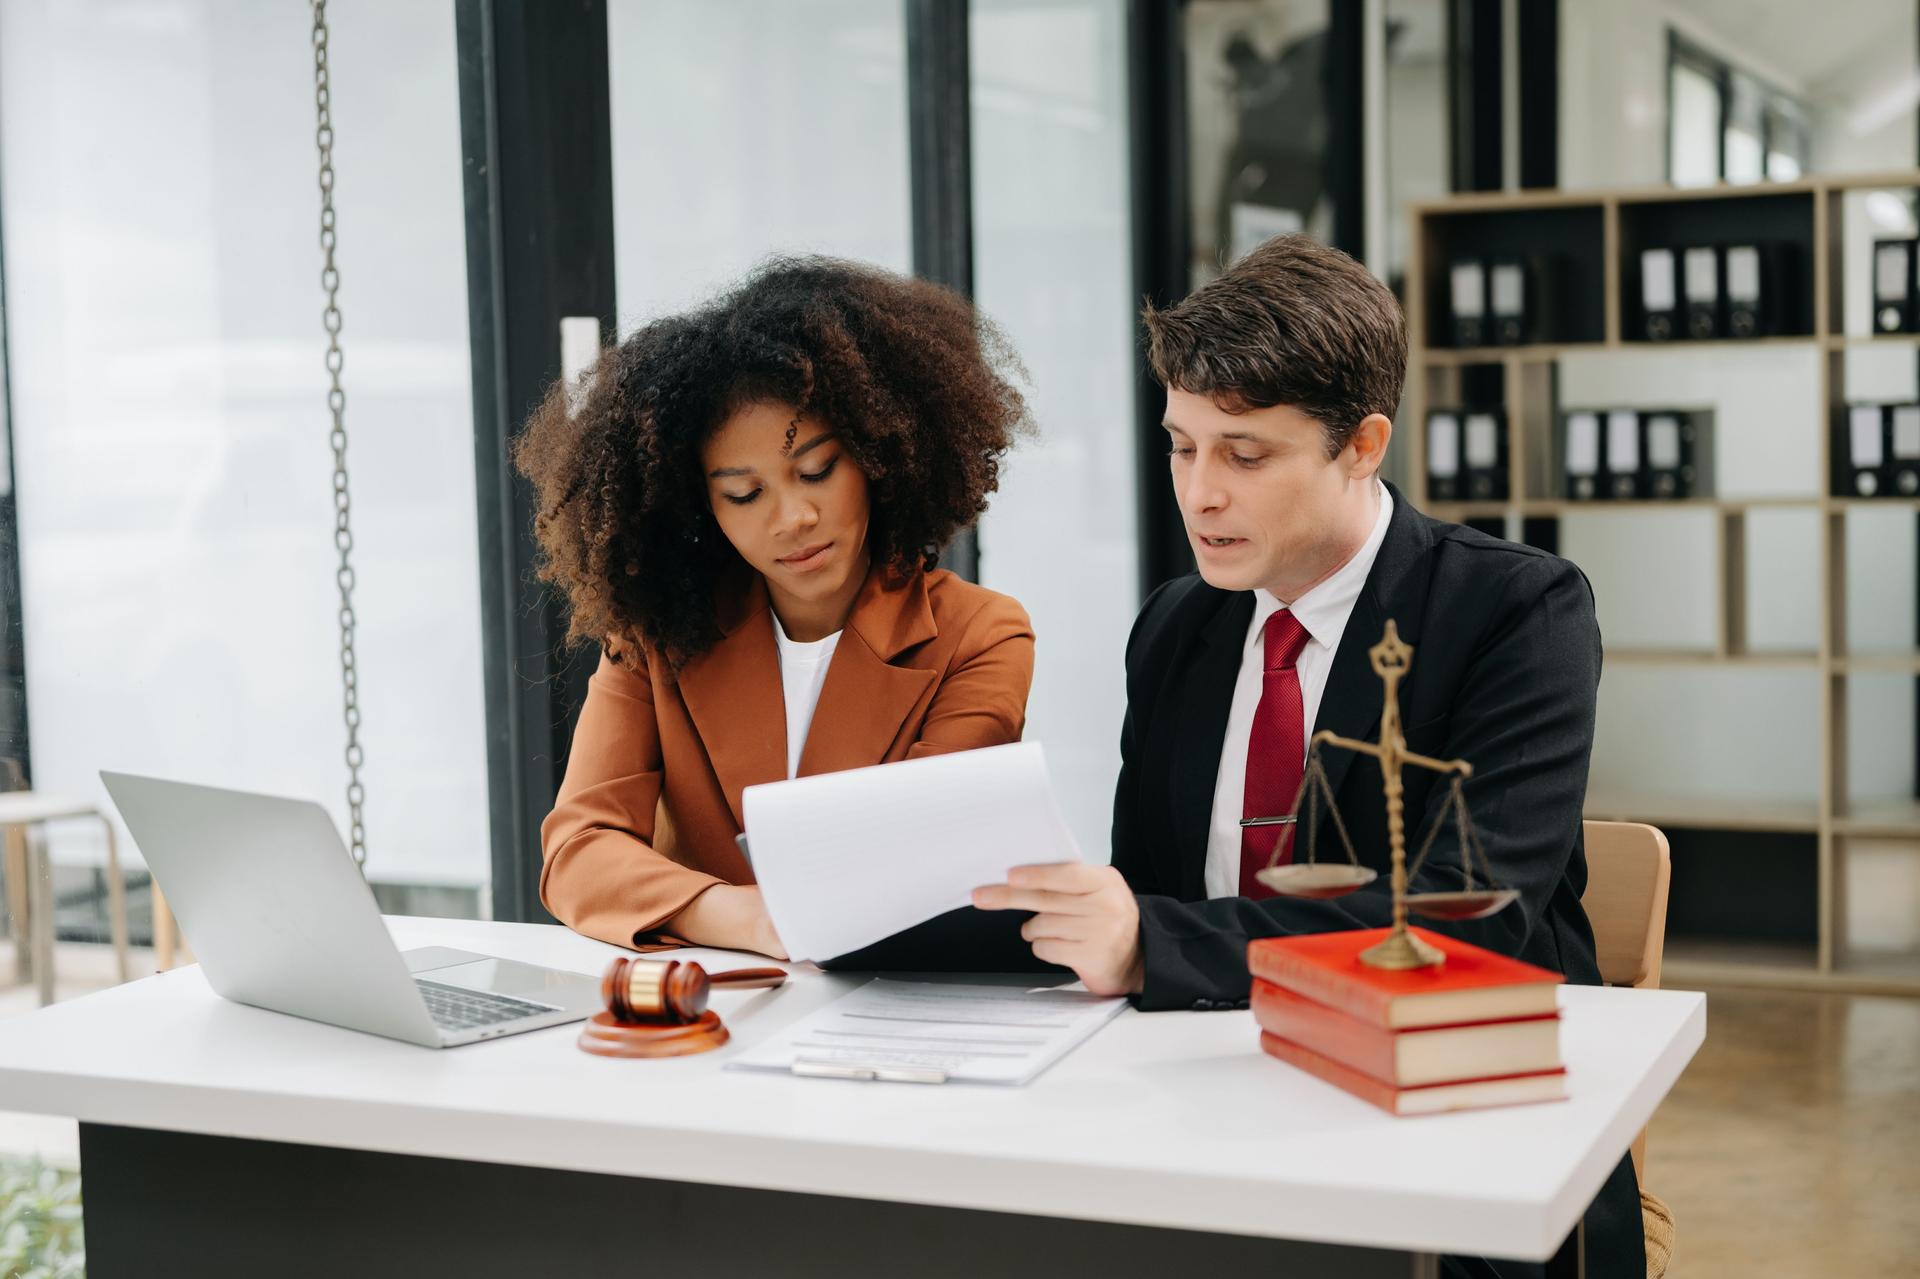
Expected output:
(1257, 125)
(1746, 154)
(1724, 124)
(1693, 157)
(1787, 143)
(750, 128)
(170, 423)
(1053, 266)
(1418, 147)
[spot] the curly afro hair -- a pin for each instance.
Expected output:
(907, 374)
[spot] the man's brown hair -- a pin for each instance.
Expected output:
(1294, 322)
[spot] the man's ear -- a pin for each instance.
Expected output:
(1367, 446)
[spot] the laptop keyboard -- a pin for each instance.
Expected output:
(457, 1008)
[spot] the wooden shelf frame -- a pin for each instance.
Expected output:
(1528, 378)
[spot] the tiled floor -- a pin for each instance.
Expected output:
(1791, 1147)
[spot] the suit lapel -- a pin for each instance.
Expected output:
(866, 698)
(1205, 698)
(1395, 588)
(732, 692)
(1350, 703)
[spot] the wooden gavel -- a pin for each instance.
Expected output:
(658, 1007)
(643, 990)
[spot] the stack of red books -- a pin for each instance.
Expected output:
(1478, 1030)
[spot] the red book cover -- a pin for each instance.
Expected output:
(1411, 1058)
(1474, 984)
(1432, 1099)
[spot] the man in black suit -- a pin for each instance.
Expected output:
(1282, 376)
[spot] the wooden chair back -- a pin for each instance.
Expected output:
(1628, 869)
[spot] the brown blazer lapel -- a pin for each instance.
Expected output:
(866, 698)
(732, 693)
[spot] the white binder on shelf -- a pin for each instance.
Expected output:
(1583, 456)
(1865, 458)
(1443, 457)
(1703, 292)
(1623, 454)
(1467, 291)
(1659, 293)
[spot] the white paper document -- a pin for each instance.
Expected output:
(933, 1032)
(846, 859)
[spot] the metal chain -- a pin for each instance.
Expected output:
(337, 403)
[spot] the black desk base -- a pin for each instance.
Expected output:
(162, 1204)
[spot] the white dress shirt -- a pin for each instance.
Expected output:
(1323, 611)
(803, 673)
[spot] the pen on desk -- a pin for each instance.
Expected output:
(879, 1074)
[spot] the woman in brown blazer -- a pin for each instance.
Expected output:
(743, 513)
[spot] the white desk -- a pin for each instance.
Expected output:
(1173, 1120)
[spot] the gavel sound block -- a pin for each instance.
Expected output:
(658, 1008)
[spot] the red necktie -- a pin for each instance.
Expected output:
(1276, 752)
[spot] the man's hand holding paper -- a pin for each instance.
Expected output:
(1085, 918)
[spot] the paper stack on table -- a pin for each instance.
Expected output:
(846, 859)
(933, 1032)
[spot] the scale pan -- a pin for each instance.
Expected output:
(1476, 904)
(1316, 879)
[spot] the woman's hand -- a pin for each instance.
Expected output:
(729, 916)
(765, 939)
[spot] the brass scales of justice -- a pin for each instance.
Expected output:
(1314, 879)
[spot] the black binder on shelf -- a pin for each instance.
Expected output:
(1509, 299)
(1659, 294)
(1859, 452)
(1443, 457)
(1485, 453)
(1893, 285)
(1903, 449)
(1701, 273)
(1626, 471)
(1749, 291)
(1678, 450)
(1467, 295)
(1581, 446)
(1524, 297)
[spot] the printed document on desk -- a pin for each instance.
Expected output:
(933, 1032)
(846, 859)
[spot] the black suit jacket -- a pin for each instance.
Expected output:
(1505, 670)
(1504, 674)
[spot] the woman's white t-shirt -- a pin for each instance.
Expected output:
(803, 670)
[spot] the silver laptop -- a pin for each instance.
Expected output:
(280, 917)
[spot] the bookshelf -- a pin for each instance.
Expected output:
(1596, 238)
